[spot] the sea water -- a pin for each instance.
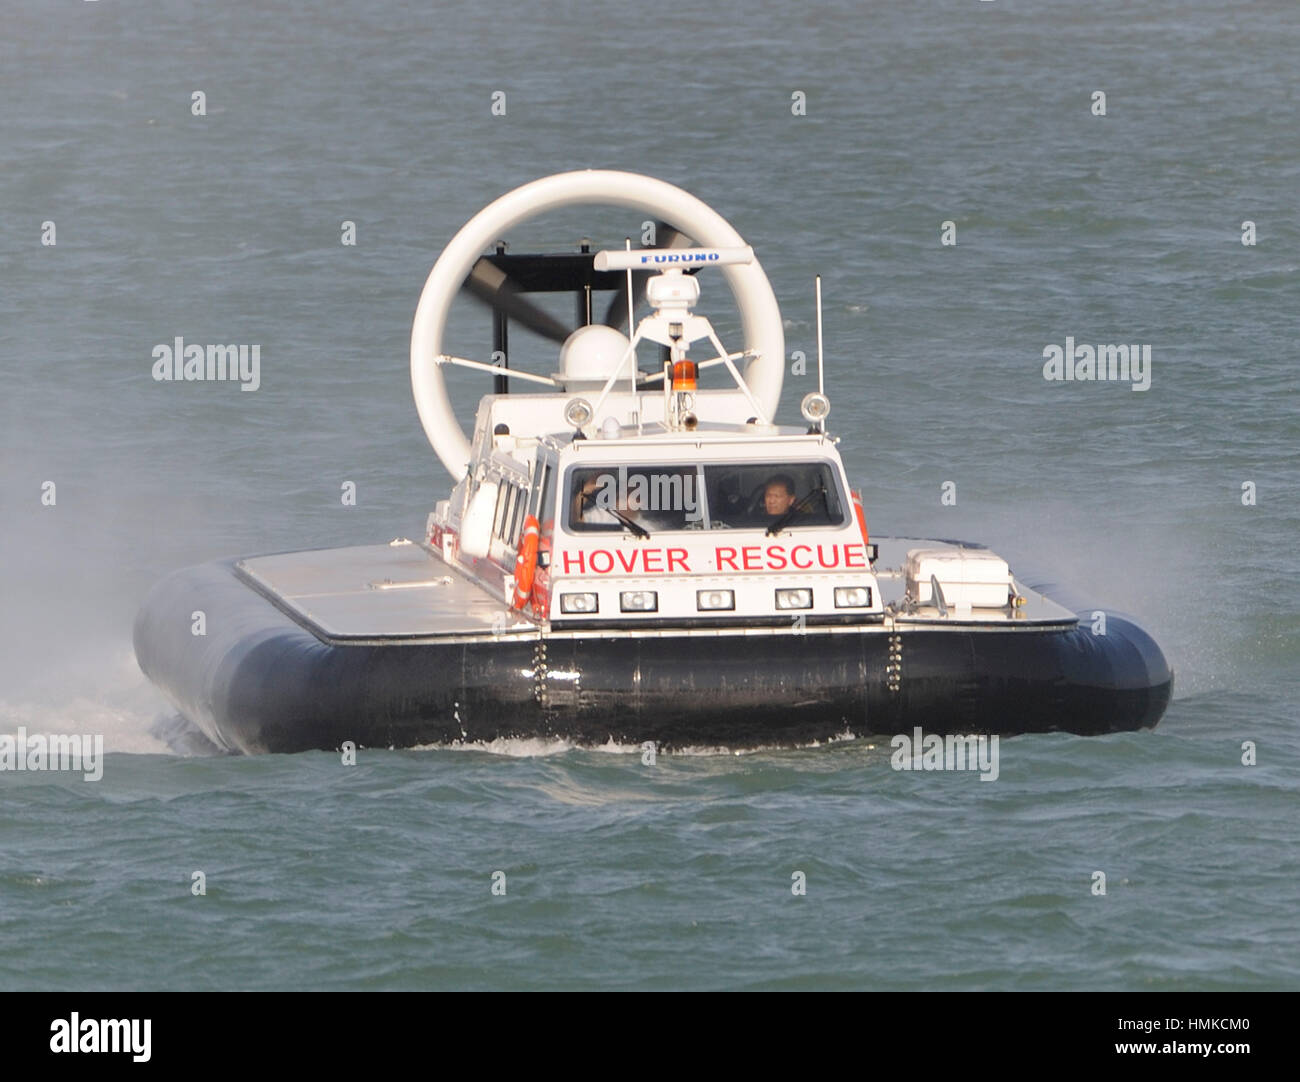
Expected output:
(268, 177)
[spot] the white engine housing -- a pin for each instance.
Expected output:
(971, 578)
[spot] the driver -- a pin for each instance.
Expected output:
(778, 495)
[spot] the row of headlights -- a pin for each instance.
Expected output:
(787, 599)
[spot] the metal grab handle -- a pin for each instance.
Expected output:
(937, 595)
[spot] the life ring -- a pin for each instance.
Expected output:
(541, 595)
(862, 518)
(526, 563)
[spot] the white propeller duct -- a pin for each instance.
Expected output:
(759, 313)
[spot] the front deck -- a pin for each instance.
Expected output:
(404, 591)
(374, 592)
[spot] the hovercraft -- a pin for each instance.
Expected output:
(628, 555)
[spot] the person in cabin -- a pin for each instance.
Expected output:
(585, 508)
(736, 503)
(591, 506)
(778, 495)
(781, 497)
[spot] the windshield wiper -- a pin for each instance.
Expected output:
(635, 528)
(796, 508)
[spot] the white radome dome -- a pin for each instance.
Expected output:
(590, 354)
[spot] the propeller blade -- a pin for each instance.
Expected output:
(493, 287)
(616, 313)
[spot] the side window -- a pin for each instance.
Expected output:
(544, 509)
(503, 509)
(508, 524)
(518, 520)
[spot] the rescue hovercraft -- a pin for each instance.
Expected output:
(628, 555)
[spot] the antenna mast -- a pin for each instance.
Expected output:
(821, 381)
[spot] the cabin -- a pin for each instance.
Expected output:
(640, 523)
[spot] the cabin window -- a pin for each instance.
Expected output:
(512, 505)
(506, 509)
(517, 519)
(546, 503)
(759, 494)
(751, 495)
(503, 509)
(659, 497)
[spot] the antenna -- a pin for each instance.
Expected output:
(815, 405)
(631, 306)
(631, 330)
(821, 381)
(660, 259)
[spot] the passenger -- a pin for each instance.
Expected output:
(585, 508)
(590, 510)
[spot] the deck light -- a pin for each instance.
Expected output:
(814, 407)
(577, 412)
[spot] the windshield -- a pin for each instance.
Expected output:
(709, 497)
(613, 498)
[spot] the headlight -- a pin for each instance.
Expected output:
(638, 601)
(715, 600)
(579, 603)
(794, 599)
(853, 597)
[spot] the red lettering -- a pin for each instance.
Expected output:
(676, 556)
(651, 554)
(774, 553)
(730, 558)
(579, 560)
(628, 564)
(749, 558)
(835, 557)
(794, 552)
(850, 551)
(608, 558)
